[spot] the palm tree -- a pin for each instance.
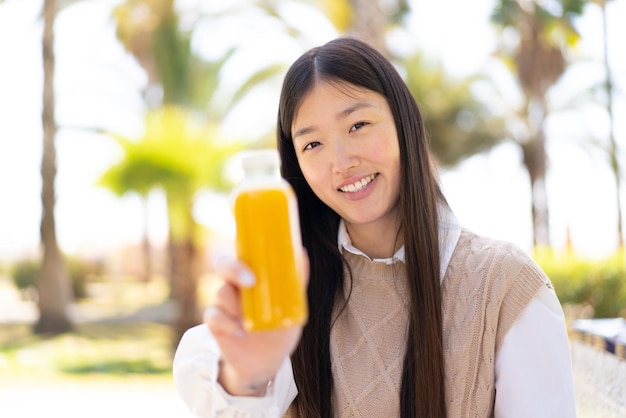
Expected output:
(368, 20)
(180, 154)
(53, 282)
(150, 30)
(369, 23)
(133, 174)
(538, 60)
(458, 125)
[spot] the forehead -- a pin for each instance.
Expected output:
(339, 89)
(332, 97)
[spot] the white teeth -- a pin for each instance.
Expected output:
(358, 185)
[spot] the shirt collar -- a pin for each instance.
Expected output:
(345, 243)
(449, 233)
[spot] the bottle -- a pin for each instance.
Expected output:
(268, 240)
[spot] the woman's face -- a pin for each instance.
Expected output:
(347, 147)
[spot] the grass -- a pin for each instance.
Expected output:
(123, 349)
(122, 334)
(118, 356)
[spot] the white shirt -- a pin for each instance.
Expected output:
(533, 367)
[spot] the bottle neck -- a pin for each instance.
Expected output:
(256, 172)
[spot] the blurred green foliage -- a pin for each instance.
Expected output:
(24, 274)
(92, 349)
(458, 124)
(581, 281)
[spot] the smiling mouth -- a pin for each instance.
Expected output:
(358, 185)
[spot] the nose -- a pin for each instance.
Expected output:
(344, 156)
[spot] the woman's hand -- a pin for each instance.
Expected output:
(249, 359)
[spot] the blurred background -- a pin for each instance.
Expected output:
(120, 125)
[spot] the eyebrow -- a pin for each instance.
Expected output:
(358, 105)
(341, 115)
(303, 131)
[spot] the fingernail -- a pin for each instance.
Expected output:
(247, 278)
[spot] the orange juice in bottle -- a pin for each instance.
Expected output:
(269, 242)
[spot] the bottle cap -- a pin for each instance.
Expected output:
(263, 159)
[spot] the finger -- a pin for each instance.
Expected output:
(221, 323)
(228, 299)
(235, 271)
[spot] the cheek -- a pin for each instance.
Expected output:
(386, 153)
(391, 155)
(385, 147)
(312, 177)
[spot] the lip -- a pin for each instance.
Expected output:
(354, 179)
(361, 194)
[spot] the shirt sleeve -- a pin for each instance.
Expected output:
(533, 366)
(195, 371)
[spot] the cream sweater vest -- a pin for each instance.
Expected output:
(486, 286)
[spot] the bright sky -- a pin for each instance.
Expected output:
(98, 84)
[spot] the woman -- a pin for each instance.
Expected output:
(410, 315)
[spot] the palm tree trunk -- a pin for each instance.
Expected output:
(183, 267)
(534, 155)
(369, 23)
(185, 287)
(53, 283)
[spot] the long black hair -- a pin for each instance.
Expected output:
(341, 61)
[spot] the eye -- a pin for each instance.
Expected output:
(311, 145)
(357, 126)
